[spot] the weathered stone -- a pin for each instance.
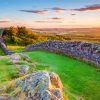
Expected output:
(4, 97)
(40, 86)
(4, 48)
(23, 69)
(15, 57)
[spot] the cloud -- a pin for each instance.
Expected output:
(4, 20)
(56, 18)
(58, 9)
(36, 11)
(48, 21)
(89, 7)
(72, 14)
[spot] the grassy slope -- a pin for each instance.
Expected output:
(79, 78)
(7, 71)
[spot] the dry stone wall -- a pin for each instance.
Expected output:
(4, 48)
(89, 52)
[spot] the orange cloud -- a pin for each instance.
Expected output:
(87, 8)
(36, 11)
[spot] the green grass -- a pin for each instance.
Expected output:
(15, 48)
(1, 52)
(7, 70)
(80, 79)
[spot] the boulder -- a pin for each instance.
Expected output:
(4, 97)
(19, 57)
(40, 85)
(23, 69)
(15, 58)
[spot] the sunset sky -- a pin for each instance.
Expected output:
(50, 13)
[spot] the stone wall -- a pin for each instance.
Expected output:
(89, 52)
(4, 48)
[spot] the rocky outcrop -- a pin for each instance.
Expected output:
(89, 52)
(40, 85)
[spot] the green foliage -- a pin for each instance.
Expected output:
(23, 36)
(7, 70)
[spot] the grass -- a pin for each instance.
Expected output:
(11, 47)
(1, 52)
(7, 70)
(15, 48)
(80, 79)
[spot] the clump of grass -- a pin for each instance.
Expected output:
(1, 52)
(42, 67)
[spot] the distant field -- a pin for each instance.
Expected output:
(80, 79)
(88, 37)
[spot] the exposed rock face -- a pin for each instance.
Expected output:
(89, 52)
(40, 85)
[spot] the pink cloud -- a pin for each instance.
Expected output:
(90, 7)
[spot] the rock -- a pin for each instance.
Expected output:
(40, 85)
(23, 69)
(19, 58)
(4, 48)
(15, 58)
(4, 97)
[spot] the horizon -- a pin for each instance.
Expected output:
(50, 14)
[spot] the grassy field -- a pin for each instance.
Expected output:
(80, 79)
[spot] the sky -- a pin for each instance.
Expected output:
(50, 13)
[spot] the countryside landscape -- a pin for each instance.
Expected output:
(49, 50)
